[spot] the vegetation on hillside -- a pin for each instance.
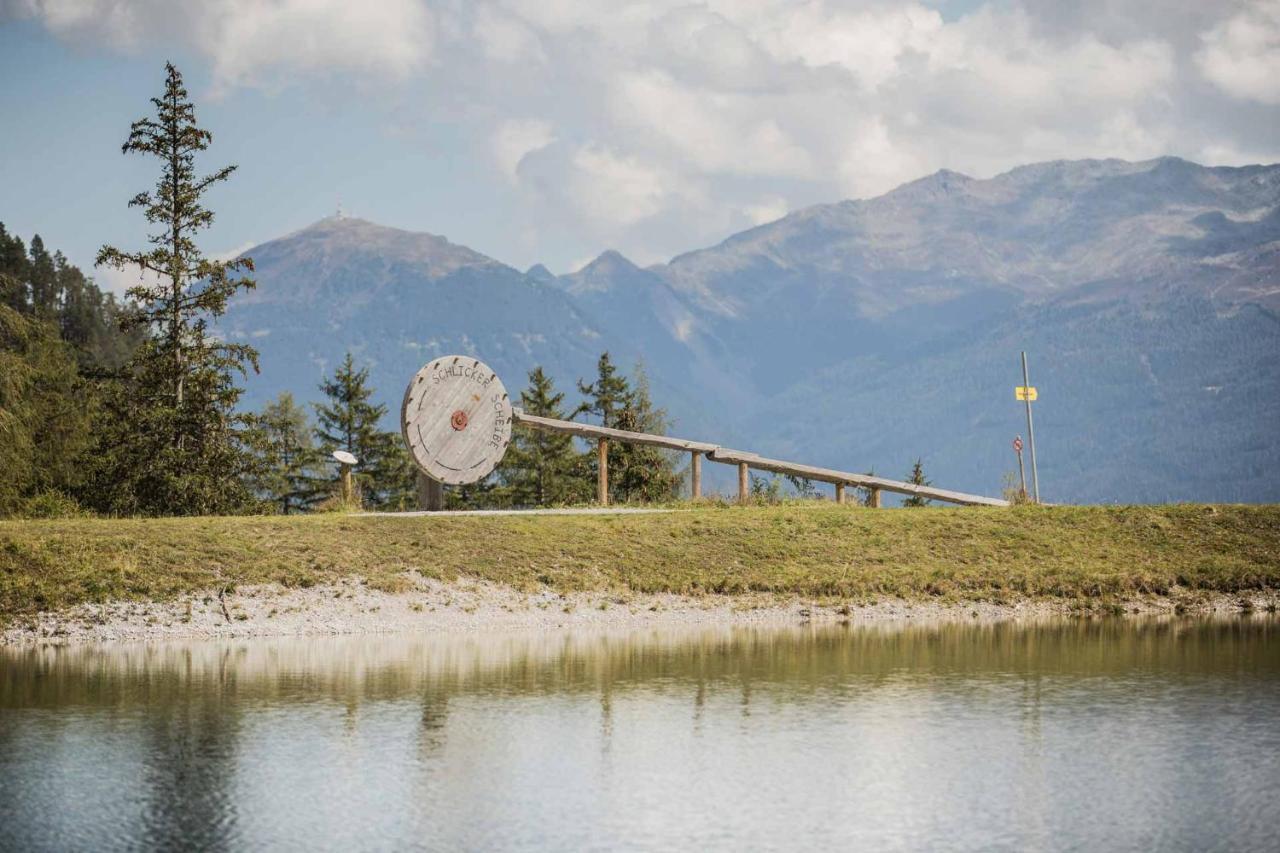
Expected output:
(1004, 555)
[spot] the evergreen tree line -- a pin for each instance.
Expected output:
(132, 407)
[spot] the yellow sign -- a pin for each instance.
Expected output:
(1025, 392)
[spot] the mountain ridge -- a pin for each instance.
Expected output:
(1100, 268)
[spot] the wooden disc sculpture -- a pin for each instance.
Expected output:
(456, 419)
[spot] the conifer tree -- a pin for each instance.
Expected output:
(42, 279)
(643, 473)
(385, 475)
(636, 473)
(13, 268)
(543, 468)
(917, 478)
(87, 318)
(44, 420)
(348, 421)
(606, 395)
(292, 471)
(177, 446)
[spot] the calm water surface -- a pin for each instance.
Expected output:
(1091, 735)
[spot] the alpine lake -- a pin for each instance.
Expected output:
(1100, 734)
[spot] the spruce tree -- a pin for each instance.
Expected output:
(42, 279)
(348, 421)
(543, 468)
(643, 473)
(636, 473)
(293, 476)
(176, 445)
(917, 478)
(385, 476)
(606, 395)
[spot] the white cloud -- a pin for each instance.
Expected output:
(506, 38)
(256, 43)
(766, 210)
(616, 188)
(1241, 55)
(118, 281)
(712, 131)
(657, 125)
(516, 139)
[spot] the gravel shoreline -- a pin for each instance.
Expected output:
(427, 605)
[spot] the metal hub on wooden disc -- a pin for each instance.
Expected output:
(456, 419)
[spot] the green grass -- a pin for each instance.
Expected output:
(815, 550)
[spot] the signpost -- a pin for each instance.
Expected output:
(1022, 472)
(1027, 392)
(345, 461)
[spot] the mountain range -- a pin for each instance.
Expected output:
(864, 334)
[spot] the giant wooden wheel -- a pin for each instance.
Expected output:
(456, 419)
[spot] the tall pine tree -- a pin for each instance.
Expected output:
(177, 446)
(543, 468)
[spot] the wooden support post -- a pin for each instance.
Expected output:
(602, 479)
(875, 499)
(744, 490)
(695, 475)
(839, 493)
(346, 486)
(430, 493)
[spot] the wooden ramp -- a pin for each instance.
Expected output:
(744, 460)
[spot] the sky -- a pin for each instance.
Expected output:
(551, 130)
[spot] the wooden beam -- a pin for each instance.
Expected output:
(744, 490)
(737, 457)
(602, 475)
(695, 475)
(593, 431)
(829, 475)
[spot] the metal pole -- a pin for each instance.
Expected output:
(1031, 431)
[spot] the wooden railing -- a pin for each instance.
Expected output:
(745, 461)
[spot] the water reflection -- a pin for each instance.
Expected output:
(1102, 733)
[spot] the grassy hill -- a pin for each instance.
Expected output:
(1003, 555)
